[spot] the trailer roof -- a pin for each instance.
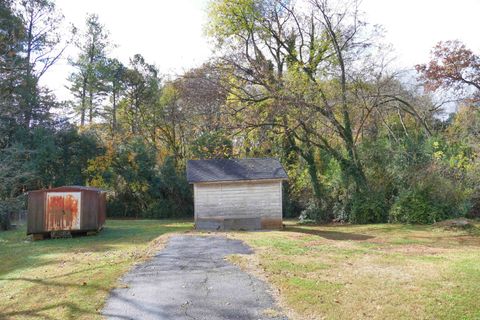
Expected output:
(71, 188)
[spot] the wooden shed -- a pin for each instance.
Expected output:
(75, 209)
(237, 193)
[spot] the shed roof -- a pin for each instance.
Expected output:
(234, 170)
(70, 189)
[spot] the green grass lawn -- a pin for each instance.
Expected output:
(331, 272)
(369, 271)
(71, 278)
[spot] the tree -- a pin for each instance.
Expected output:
(41, 21)
(11, 75)
(462, 153)
(453, 68)
(142, 86)
(88, 79)
(310, 74)
(61, 156)
(203, 98)
(29, 46)
(114, 76)
(142, 188)
(15, 173)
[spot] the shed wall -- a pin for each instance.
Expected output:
(36, 212)
(92, 210)
(240, 200)
(91, 206)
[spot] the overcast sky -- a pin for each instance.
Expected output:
(169, 33)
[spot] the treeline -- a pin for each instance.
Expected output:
(308, 84)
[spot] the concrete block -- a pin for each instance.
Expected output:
(209, 224)
(242, 223)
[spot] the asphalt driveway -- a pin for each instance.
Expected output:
(190, 279)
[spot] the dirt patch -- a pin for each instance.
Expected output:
(455, 224)
(329, 234)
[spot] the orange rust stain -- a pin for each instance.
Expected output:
(62, 212)
(71, 209)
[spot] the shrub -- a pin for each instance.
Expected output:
(311, 213)
(7, 207)
(154, 193)
(316, 211)
(474, 205)
(414, 206)
(432, 201)
(4, 220)
(167, 208)
(368, 207)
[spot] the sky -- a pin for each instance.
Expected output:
(170, 33)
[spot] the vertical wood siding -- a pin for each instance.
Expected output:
(36, 212)
(91, 210)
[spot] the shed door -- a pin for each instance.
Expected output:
(63, 211)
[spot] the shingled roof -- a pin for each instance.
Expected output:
(234, 170)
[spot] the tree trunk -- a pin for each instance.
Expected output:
(309, 157)
(90, 107)
(84, 98)
(91, 78)
(29, 83)
(114, 112)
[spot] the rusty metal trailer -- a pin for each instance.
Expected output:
(73, 209)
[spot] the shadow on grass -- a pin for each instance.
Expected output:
(20, 254)
(38, 313)
(73, 310)
(330, 235)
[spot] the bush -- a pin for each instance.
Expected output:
(151, 193)
(316, 211)
(474, 205)
(167, 208)
(7, 207)
(4, 221)
(292, 204)
(414, 207)
(368, 207)
(311, 213)
(427, 203)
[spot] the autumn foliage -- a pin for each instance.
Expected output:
(452, 67)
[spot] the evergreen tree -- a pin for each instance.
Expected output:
(87, 81)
